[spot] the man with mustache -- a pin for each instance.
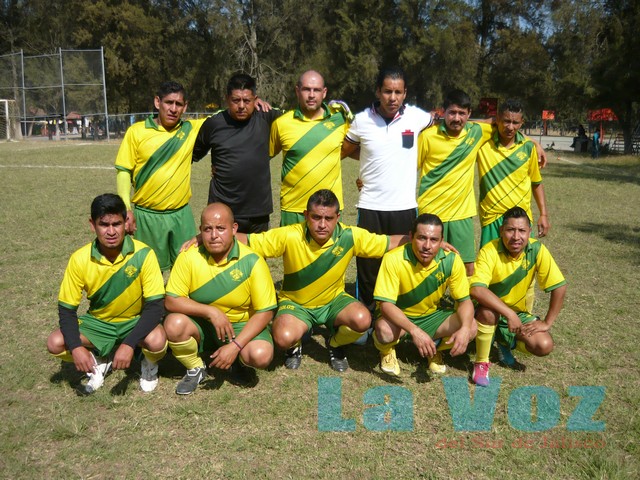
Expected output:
(505, 269)
(412, 280)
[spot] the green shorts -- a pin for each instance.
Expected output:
(290, 218)
(492, 231)
(460, 234)
(504, 336)
(165, 231)
(104, 336)
(429, 324)
(325, 315)
(209, 341)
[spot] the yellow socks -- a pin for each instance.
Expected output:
(155, 357)
(484, 339)
(64, 356)
(344, 336)
(384, 348)
(187, 353)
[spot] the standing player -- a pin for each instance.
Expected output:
(238, 138)
(386, 134)
(412, 280)
(446, 156)
(125, 290)
(155, 157)
(505, 269)
(222, 298)
(509, 174)
(310, 138)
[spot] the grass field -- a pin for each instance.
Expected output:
(273, 429)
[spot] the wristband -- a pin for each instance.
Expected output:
(237, 344)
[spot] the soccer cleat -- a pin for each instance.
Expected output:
(337, 358)
(293, 358)
(506, 358)
(481, 374)
(436, 364)
(389, 363)
(96, 378)
(148, 375)
(242, 375)
(191, 380)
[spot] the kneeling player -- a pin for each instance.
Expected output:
(504, 271)
(222, 298)
(412, 280)
(123, 283)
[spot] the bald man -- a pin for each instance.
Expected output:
(221, 298)
(310, 138)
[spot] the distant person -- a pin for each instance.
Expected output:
(509, 174)
(310, 138)
(595, 147)
(386, 135)
(505, 269)
(221, 298)
(123, 284)
(412, 280)
(155, 157)
(238, 138)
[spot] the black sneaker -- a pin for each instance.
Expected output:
(242, 375)
(191, 380)
(337, 357)
(293, 358)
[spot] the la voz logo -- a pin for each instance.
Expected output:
(529, 409)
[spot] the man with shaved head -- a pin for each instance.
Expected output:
(310, 138)
(221, 298)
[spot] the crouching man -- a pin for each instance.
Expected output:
(124, 286)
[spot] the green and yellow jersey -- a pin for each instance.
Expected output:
(116, 291)
(239, 286)
(509, 278)
(416, 289)
(315, 274)
(159, 162)
(310, 156)
(446, 164)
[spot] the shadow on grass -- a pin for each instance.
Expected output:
(616, 233)
(591, 171)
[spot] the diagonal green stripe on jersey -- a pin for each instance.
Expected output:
(163, 154)
(226, 281)
(325, 262)
(504, 168)
(502, 289)
(119, 281)
(457, 156)
(429, 285)
(309, 140)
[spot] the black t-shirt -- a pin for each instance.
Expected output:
(240, 155)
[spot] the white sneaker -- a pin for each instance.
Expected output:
(96, 378)
(148, 375)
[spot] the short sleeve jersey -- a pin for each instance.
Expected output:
(416, 289)
(506, 175)
(310, 156)
(240, 155)
(447, 169)
(159, 162)
(388, 157)
(509, 278)
(239, 286)
(116, 291)
(315, 274)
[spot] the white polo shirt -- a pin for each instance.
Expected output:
(388, 157)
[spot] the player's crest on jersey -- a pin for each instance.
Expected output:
(525, 264)
(236, 274)
(337, 251)
(522, 156)
(329, 125)
(440, 276)
(131, 271)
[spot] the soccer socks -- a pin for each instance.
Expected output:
(384, 348)
(64, 356)
(187, 353)
(344, 336)
(155, 357)
(484, 339)
(443, 345)
(522, 347)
